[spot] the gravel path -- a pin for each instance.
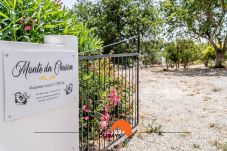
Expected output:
(192, 101)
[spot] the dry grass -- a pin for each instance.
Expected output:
(206, 98)
(150, 128)
(216, 89)
(192, 94)
(222, 146)
(214, 125)
(196, 146)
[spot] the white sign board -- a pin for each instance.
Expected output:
(37, 81)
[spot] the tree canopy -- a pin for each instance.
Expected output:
(119, 19)
(201, 18)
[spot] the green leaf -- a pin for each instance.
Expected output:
(3, 15)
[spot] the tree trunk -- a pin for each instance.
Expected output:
(206, 63)
(220, 58)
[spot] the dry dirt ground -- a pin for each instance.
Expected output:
(192, 103)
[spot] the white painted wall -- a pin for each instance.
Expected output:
(19, 135)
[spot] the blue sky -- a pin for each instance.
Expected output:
(68, 3)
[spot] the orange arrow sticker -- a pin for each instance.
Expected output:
(123, 126)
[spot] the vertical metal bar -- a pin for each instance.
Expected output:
(126, 87)
(118, 80)
(99, 90)
(81, 101)
(122, 86)
(87, 97)
(104, 73)
(138, 66)
(129, 88)
(114, 72)
(93, 102)
(133, 101)
(109, 89)
(104, 66)
(136, 90)
(109, 74)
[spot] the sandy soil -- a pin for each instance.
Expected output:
(193, 100)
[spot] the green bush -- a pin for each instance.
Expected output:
(104, 98)
(30, 20)
(208, 55)
(189, 51)
(183, 51)
(172, 54)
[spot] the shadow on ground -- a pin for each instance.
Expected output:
(195, 71)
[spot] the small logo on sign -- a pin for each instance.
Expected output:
(21, 99)
(69, 88)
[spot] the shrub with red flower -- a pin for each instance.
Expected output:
(28, 22)
(104, 105)
(113, 97)
(104, 109)
(104, 118)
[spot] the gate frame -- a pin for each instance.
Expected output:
(119, 55)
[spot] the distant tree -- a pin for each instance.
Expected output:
(189, 51)
(183, 51)
(114, 20)
(151, 51)
(208, 55)
(202, 18)
(172, 54)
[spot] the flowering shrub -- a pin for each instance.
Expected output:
(113, 97)
(103, 100)
(30, 20)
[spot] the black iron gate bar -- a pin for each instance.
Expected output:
(100, 75)
(108, 56)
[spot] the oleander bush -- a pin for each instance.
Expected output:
(30, 20)
(104, 98)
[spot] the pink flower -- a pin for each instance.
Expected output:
(105, 118)
(86, 118)
(85, 108)
(103, 124)
(102, 118)
(114, 97)
(27, 28)
(107, 134)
